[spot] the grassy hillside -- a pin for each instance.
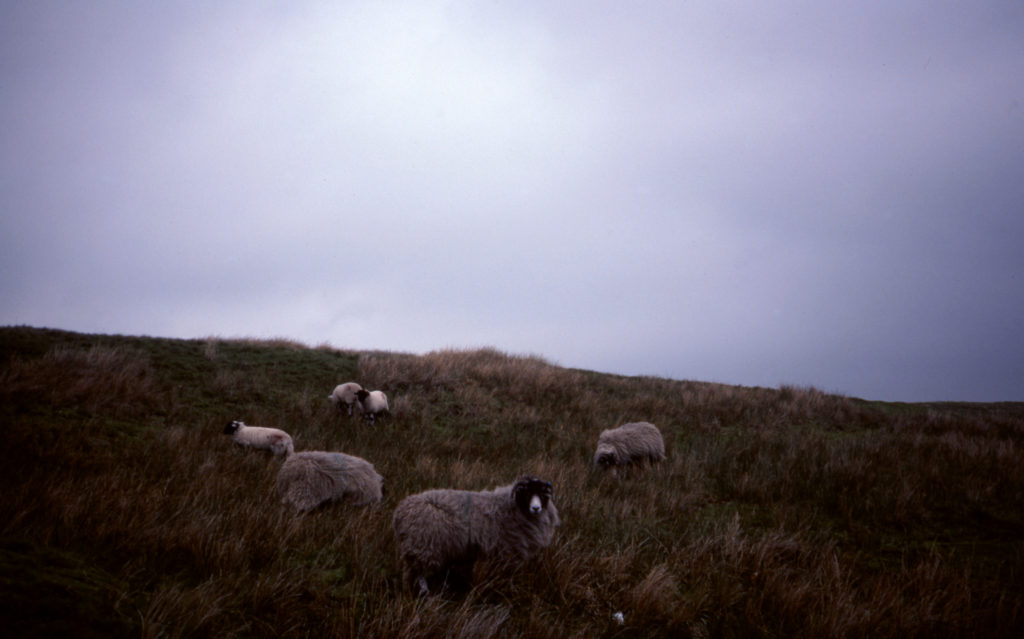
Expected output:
(779, 513)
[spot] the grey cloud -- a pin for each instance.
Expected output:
(797, 193)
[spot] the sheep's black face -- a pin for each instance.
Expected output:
(532, 495)
(231, 428)
(606, 460)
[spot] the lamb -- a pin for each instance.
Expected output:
(634, 443)
(310, 478)
(372, 403)
(344, 396)
(442, 531)
(275, 440)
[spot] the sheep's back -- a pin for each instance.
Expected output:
(355, 478)
(377, 402)
(432, 527)
(310, 478)
(303, 482)
(346, 392)
(273, 439)
(633, 441)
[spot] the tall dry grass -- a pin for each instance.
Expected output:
(779, 512)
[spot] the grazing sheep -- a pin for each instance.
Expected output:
(272, 439)
(439, 531)
(344, 396)
(372, 403)
(628, 444)
(310, 478)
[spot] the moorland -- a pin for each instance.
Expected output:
(780, 512)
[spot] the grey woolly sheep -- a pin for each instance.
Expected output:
(442, 530)
(310, 478)
(275, 440)
(634, 443)
(372, 403)
(344, 396)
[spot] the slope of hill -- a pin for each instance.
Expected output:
(780, 512)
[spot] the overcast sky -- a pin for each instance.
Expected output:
(823, 194)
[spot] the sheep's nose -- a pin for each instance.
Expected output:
(535, 505)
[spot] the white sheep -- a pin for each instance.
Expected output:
(310, 478)
(634, 443)
(442, 532)
(372, 403)
(344, 396)
(273, 439)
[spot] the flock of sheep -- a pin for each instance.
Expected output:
(443, 530)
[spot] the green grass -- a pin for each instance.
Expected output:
(779, 513)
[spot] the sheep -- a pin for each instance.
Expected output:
(275, 440)
(344, 396)
(633, 443)
(371, 403)
(442, 532)
(310, 478)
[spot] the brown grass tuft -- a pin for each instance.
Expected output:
(98, 379)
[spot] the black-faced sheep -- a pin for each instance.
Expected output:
(634, 443)
(439, 531)
(344, 396)
(272, 439)
(372, 403)
(310, 478)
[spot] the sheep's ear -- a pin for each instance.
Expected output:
(517, 495)
(545, 487)
(523, 483)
